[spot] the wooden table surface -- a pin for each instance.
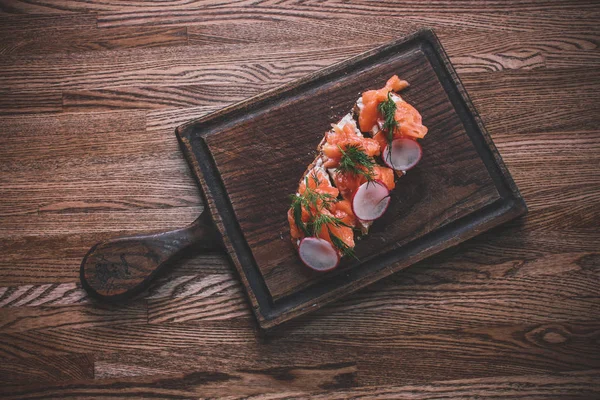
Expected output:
(90, 94)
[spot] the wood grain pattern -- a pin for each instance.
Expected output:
(90, 94)
(467, 195)
(45, 370)
(49, 41)
(118, 269)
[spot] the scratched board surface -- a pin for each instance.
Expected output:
(261, 148)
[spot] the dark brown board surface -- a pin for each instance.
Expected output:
(249, 157)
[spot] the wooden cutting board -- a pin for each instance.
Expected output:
(248, 158)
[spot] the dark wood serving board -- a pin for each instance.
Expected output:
(249, 157)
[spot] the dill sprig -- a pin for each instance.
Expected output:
(314, 202)
(309, 200)
(297, 204)
(315, 178)
(322, 220)
(317, 200)
(387, 109)
(342, 246)
(328, 220)
(355, 161)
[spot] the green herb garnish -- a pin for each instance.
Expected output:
(297, 203)
(387, 109)
(355, 161)
(325, 219)
(315, 178)
(342, 246)
(310, 200)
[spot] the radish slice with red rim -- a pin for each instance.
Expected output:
(371, 200)
(318, 254)
(405, 154)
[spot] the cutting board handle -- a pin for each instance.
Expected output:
(117, 269)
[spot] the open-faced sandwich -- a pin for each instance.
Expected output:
(348, 184)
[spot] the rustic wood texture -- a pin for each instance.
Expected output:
(90, 93)
(459, 190)
(120, 268)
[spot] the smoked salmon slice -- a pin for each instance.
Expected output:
(349, 158)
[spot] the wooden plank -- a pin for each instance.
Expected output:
(583, 59)
(518, 349)
(182, 65)
(37, 126)
(13, 320)
(12, 23)
(27, 103)
(403, 306)
(45, 370)
(192, 65)
(199, 308)
(518, 86)
(112, 338)
(493, 94)
(512, 49)
(404, 366)
(207, 383)
(330, 6)
(289, 11)
(125, 13)
(567, 24)
(208, 95)
(42, 294)
(550, 386)
(62, 190)
(105, 222)
(98, 152)
(81, 39)
(252, 355)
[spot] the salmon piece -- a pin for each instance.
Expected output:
(408, 118)
(344, 233)
(371, 98)
(339, 139)
(348, 183)
(385, 175)
(410, 121)
(318, 180)
(396, 84)
(343, 210)
(381, 138)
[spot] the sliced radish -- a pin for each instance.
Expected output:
(405, 154)
(371, 200)
(318, 254)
